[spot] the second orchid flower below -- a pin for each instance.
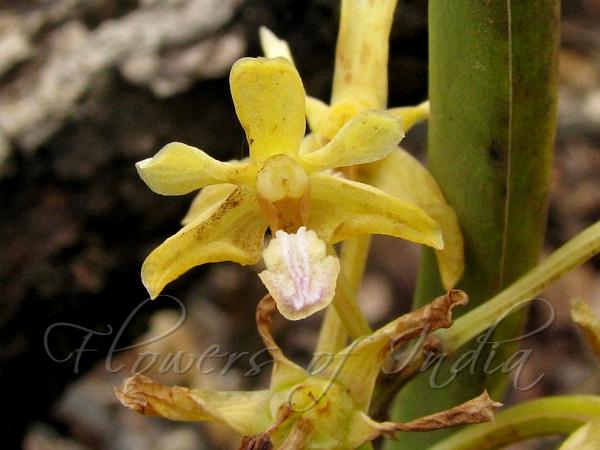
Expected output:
(298, 196)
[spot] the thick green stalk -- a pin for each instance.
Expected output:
(493, 106)
(543, 417)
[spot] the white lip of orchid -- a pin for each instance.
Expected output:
(300, 275)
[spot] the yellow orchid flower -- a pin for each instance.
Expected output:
(326, 409)
(305, 205)
(360, 83)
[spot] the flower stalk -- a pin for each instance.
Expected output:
(353, 260)
(575, 252)
(541, 417)
(347, 308)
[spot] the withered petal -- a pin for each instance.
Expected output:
(285, 372)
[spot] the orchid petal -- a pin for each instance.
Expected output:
(244, 412)
(299, 276)
(404, 177)
(369, 136)
(285, 372)
(269, 101)
(179, 168)
(361, 429)
(310, 143)
(361, 55)
(478, 410)
(411, 115)
(272, 46)
(233, 231)
(208, 198)
(357, 366)
(317, 114)
(342, 208)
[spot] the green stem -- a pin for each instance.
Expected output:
(575, 252)
(334, 331)
(333, 334)
(354, 259)
(347, 308)
(367, 446)
(541, 417)
(492, 88)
